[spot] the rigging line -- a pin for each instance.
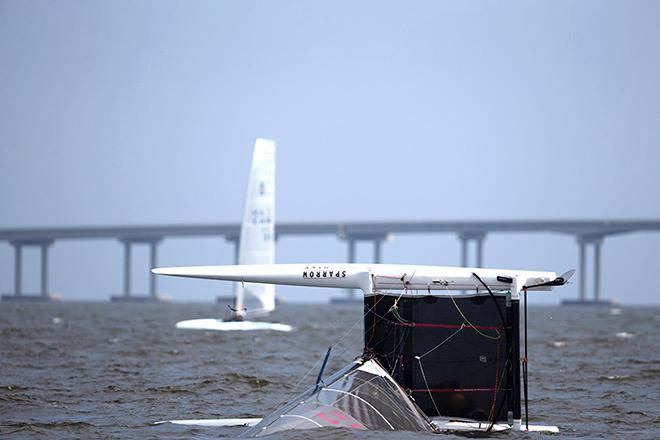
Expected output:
(399, 343)
(495, 338)
(427, 385)
(396, 363)
(366, 382)
(492, 415)
(373, 324)
(389, 383)
(404, 289)
(395, 307)
(487, 336)
(397, 315)
(490, 292)
(362, 400)
(361, 319)
(372, 309)
(285, 405)
(447, 339)
(407, 283)
(525, 385)
(506, 335)
(281, 407)
(388, 336)
(376, 321)
(468, 321)
(390, 329)
(301, 417)
(525, 363)
(393, 323)
(358, 321)
(313, 367)
(507, 363)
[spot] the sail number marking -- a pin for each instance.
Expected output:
(260, 217)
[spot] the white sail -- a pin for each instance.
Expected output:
(371, 278)
(257, 239)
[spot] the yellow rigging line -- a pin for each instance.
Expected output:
(472, 325)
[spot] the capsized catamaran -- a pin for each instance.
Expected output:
(441, 348)
(256, 246)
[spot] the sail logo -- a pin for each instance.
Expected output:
(324, 273)
(260, 216)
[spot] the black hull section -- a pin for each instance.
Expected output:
(457, 356)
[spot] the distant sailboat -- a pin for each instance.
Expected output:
(256, 246)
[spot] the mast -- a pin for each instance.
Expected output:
(515, 362)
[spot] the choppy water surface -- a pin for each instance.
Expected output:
(91, 370)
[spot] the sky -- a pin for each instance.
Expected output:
(124, 113)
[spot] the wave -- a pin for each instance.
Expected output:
(614, 378)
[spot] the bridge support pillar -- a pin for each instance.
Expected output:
(18, 269)
(127, 269)
(480, 255)
(44, 269)
(378, 244)
(237, 248)
(583, 270)
(235, 240)
(350, 293)
(18, 294)
(596, 246)
(153, 262)
(352, 239)
(228, 298)
(466, 238)
(584, 241)
(127, 295)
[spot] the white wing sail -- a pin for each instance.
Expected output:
(370, 278)
(257, 240)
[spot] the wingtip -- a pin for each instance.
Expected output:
(566, 276)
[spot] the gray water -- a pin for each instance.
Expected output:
(91, 370)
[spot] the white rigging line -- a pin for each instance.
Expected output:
(419, 360)
(362, 400)
(440, 344)
(359, 320)
(301, 417)
(427, 385)
(465, 320)
(355, 389)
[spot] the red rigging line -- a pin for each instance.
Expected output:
(400, 319)
(373, 326)
(447, 326)
(454, 390)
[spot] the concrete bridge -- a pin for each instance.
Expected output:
(588, 233)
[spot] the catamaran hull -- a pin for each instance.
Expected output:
(220, 325)
(361, 396)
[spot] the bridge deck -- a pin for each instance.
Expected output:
(343, 229)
